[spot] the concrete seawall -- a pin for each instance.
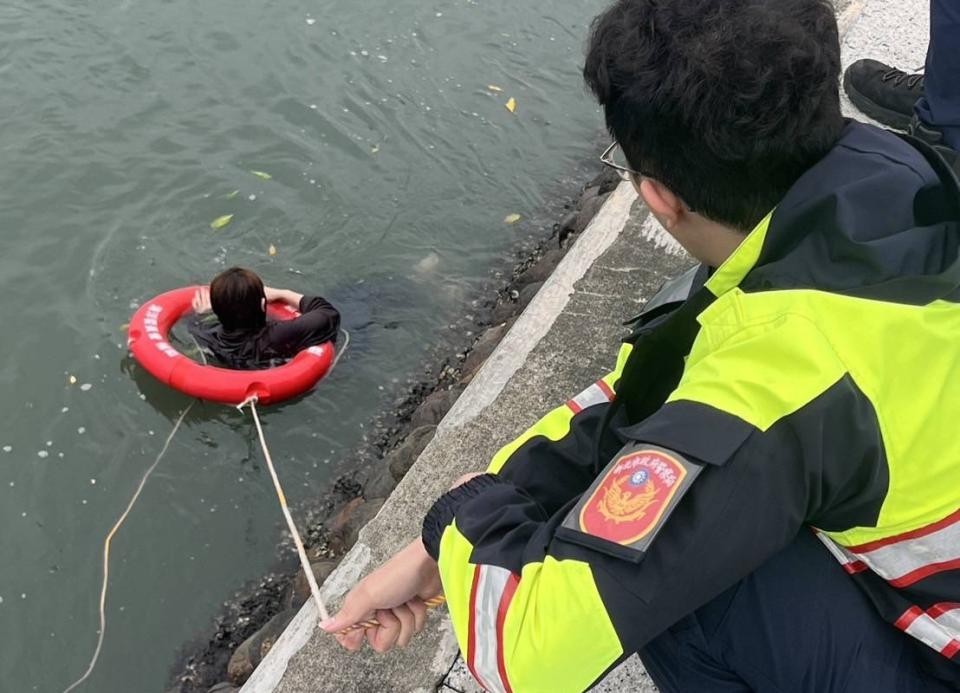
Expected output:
(567, 336)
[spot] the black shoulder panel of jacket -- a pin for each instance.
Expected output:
(878, 217)
(836, 435)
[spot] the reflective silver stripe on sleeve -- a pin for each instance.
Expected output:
(490, 588)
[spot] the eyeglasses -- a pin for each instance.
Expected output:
(607, 159)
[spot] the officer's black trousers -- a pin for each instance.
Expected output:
(941, 105)
(798, 624)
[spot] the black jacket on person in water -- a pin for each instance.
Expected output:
(262, 347)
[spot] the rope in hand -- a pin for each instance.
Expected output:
(106, 549)
(431, 603)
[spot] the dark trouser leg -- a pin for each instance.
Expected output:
(798, 624)
(940, 107)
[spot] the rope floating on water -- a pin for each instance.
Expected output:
(106, 550)
(314, 589)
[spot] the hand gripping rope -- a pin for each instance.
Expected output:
(301, 552)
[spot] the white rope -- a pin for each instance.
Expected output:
(314, 589)
(311, 580)
(106, 550)
(301, 552)
(341, 352)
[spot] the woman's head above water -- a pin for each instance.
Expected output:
(238, 298)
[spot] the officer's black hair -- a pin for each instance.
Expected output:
(726, 102)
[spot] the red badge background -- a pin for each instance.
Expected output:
(615, 493)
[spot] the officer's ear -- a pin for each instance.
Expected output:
(666, 207)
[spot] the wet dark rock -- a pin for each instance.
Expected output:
(565, 227)
(337, 526)
(252, 651)
(483, 347)
(224, 687)
(607, 181)
(299, 591)
(527, 294)
(541, 270)
(588, 212)
(400, 460)
(347, 524)
(380, 485)
(434, 407)
(589, 194)
(503, 312)
(347, 487)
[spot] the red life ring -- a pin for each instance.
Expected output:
(147, 341)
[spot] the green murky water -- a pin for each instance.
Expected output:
(125, 128)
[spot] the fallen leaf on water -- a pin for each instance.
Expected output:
(511, 219)
(273, 250)
(374, 149)
(220, 222)
(232, 195)
(124, 326)
(494, 87)
(73, 380)
(262, 174)
(512, 105)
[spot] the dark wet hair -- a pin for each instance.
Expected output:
(236, 296)
(726, 102)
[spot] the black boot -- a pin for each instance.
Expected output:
(884, 93)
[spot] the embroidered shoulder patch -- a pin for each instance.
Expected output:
(632, 499)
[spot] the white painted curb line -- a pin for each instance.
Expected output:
(533, 324)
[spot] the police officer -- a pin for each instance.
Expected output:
(765, 493)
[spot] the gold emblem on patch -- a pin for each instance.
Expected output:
(619, 506)
(632, 497)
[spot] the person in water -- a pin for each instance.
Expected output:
(244, 338)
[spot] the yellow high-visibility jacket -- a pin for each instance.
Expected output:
(813, 380)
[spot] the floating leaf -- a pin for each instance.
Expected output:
(220, 222)
(511, 219)
(262, 174)
(272, 250)
(494, 87)
(124, 327)
(511, 105)
(374, 149)
(73, 380)
(232, 195)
